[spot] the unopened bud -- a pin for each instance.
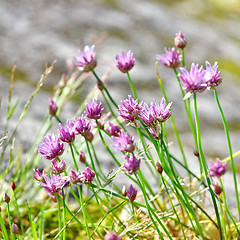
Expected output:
(180, 40)
(13, 186)
(159, 167)
(52, 107)
(124, 191)
(101, 124)
(196, 153)
(6, 198)
(82, 157)
(15, 228)
(217, 188)
(99, 85)
(89, 137)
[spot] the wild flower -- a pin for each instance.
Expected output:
(130, 109)
(180, 40)
(217, 169)
(52, 107)
(54, 185)
(86, 60)
(112, 236)
(88, 175)
(131, 165)
(75, 178)
(93, 109)
(114, 130)
(212, 75)
(195, 80)
(66, 134)
(170, 59)
(125, 62)
(124, 142)
(51, 147)
(39, 175)
(58, 168)
(81, 126)
(131, 193)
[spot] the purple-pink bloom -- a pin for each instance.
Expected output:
(114, 130)
(131, 193)
(76, 178)
(112, 236)
(81, 126)
(58, 168)
(130, 109)
(39, 175)
(93, 109)
(125, 62)
(124, 142)
(86, 59)
(180, 40)
(51, 147)
(52, 107)
(66, 134)
(212, 75)
(54, 185)
(131, 165)
(195, 80)
(88, 175)
(170, 59)
(217, 169)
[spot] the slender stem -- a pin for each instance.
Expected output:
(202, 158)
(19, 215)
(223, 218)
(59, 214)
(3, 228)
(230, 151)
(132, 86)
(183, 58)
(73, 156)
(10, 222)
(64, 215)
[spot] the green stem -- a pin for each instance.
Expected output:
(202, 158)
(230, 151)
(183, 58)
(3, 228)
(73, 156)
(132, 86)
(64, 215)
(59, 214)
(10, 222)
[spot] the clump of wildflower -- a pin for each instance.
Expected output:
(66, 134)
(51, 147)
(81, 126)
(124, 142)
(112, 236)
(58, 168)
(131, 193)
(40, 175)
(88, 175)
(195, 80)
(131, 165)
(180, 40)
(54, 185)
(93, 109)
(212, 75)
(170, 59)
(52, 107)
(217, 169)
(114, 130)
(130, 109)
(86, 60)
(156, 113)
(125, 62)
(82, 157)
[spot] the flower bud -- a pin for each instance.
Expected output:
(159, 167)
(13, 185)
(124, 191)
(217, 188)
(196, 153)
(52, 107)
(82, 157)
(15, 228)
(6, 198)
(180, 40)
(89, 137)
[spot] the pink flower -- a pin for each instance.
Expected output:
(212, 75)
(93, 109)
(217, 169)
(131, 193)
(113, 129)
(170, 59)
(112, 236)
(39, 175)
(58, 168)
(66, 134)
(180, 40)
(52, 107)
(125, 62)
(131, 165)
(88, 175)
(81, 126)
(124, 143)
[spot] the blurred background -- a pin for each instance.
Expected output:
(35, 32)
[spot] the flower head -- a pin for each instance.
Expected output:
(180, 40)
(40, 175)
(66, 134)
(124, 142)
(88, 175)
(58, 168)
(93, 109)
(54, 185)
(114, 130)
(131, 193)
(52, 107)
(125, 62)
(76, 178)
(193, 81)
(130, 109)
(170, 59)
(131, 165)
(217, 169)
(51, 147)
(86, 60)
(81, 126)
(112, 236)
(212, 75)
